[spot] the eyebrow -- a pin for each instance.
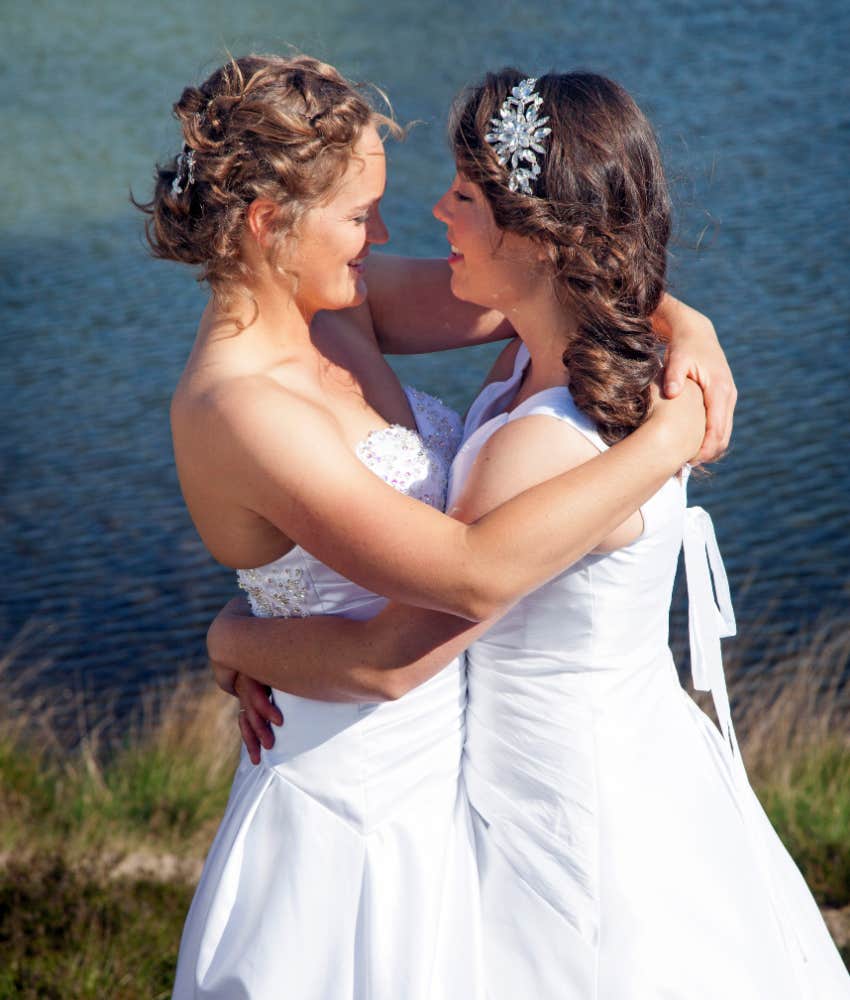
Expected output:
(366, 204)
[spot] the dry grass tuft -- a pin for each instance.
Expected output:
(159, 781)
(795, 734)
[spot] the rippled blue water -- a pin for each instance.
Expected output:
(751, 103)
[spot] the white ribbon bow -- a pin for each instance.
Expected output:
(709, 619)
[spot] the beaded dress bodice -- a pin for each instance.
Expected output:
(414, 463)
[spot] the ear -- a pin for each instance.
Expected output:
(262, 214)
(541, 252)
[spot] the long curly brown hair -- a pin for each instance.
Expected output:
(261, 126)
(601, 209)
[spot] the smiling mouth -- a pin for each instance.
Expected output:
(454, 254)
(358, 262)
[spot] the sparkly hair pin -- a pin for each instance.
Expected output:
(518, 134)
(185, 171)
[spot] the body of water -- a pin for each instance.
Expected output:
(100, 564)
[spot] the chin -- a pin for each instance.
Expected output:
(456, 286)
(463, 294)
(354, 295)
(360, 293)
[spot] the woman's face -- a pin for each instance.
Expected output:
(334, 237)
(490, 267)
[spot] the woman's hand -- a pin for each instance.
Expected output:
(694, 352)
(257, 713)
(682, 418)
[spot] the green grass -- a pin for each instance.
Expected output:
(797, 749)
(161, 785)
(70, 925)
(809, 804)
(65, 934)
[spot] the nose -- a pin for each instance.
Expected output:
(441, 210)
(376, 230)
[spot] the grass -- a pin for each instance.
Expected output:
(159, 783)
(797, 750)
(102, 836)
(101, 840)
(65, 934)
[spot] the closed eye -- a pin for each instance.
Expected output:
(461, 197)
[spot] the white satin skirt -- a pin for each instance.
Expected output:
(622, 855)
(344, 867)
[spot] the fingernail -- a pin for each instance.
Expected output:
(673, 388)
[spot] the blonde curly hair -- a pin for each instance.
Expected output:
(261, 126)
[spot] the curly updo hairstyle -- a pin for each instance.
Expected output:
(259, 127)
(601, 210)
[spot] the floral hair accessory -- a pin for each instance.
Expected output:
(185, 171)
(518, 134)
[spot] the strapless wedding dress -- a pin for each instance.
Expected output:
(344, 867)
(622, 853)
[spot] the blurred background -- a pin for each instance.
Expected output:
(106, 587)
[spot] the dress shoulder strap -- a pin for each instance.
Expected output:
(491, 400)
(558, 402)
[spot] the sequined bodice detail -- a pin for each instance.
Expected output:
(416, 462)
(413, 462)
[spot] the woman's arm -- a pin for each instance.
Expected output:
(414, 312)
(328, 658)
(337, 659)
(331, 658)
(394, 545)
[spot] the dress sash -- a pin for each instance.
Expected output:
(710, 616)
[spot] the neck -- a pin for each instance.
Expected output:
(547, 328)
(266, 316)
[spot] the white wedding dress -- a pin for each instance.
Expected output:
(621, 851)
(344, 866)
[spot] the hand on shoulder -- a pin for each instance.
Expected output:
(694, 353)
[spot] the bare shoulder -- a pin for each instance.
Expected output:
(225, 424)
(535, 447)
(199, 401)
(523, 452)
